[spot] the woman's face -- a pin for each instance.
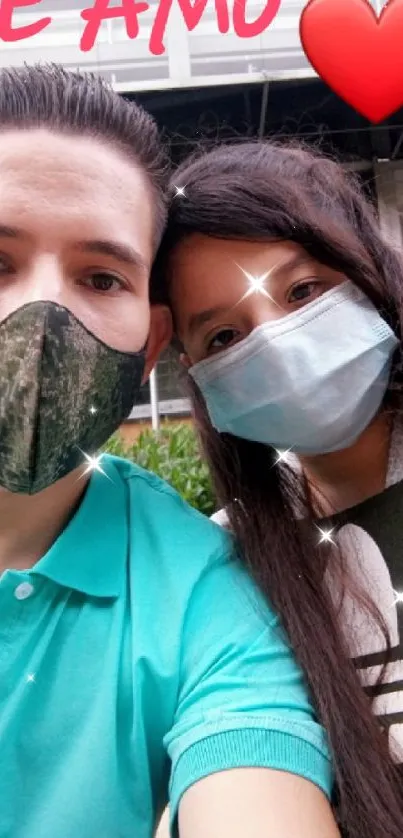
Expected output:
(222, 290)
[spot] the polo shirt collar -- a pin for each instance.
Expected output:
(90, 554)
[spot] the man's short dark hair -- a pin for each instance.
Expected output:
(51, 97)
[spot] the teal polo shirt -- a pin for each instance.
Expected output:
(137, 657)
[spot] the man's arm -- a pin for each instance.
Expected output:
(248, 754)
(255, 803)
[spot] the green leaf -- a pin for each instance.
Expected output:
(173, 453)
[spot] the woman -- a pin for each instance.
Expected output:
(288, 308)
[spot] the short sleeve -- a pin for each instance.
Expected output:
(242, 700)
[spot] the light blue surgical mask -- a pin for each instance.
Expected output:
(311, 381)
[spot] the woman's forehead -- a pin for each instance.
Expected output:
(200, 261)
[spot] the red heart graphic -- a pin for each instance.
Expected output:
(359, 55)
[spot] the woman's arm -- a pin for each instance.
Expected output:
(255, 803)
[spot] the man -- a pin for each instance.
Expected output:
(135, 655)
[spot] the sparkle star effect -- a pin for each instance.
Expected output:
(326, 535)
(398, 597)
(180, 192)
(257, 284)
(93, 410)
(31, 679)
(282, 456)
(93, 465)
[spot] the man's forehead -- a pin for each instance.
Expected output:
(70, 178)
(43, 153)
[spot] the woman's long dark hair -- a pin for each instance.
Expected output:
(264, 192)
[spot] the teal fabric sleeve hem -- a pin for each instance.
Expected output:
(252, 748)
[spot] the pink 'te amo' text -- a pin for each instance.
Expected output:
(130, 10)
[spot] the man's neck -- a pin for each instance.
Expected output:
(29, 524)
(345, 478)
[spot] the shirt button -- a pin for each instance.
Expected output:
(24, 590)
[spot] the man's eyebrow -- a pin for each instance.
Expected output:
(200, 318)
(117, 250)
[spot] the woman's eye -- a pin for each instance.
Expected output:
(5, 265)
(223, 339)
(104, 282)
(303, 291)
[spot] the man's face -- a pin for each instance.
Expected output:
(76, 228)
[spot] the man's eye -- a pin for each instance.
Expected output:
(104, 282)
(223, 339)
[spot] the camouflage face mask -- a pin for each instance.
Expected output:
(62, 392)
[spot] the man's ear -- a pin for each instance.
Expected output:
(159, 336)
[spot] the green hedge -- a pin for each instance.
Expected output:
(172, 453)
